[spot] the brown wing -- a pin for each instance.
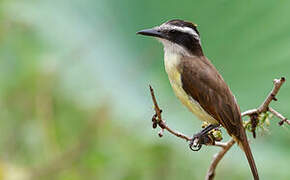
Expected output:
(202, 82)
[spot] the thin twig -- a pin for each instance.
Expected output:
(163, 125)
(161, 122)
(216, 159)
(156, 107)
(178, 134)
(221, 144)
(249, 112)
(272, 95)
(280, 116)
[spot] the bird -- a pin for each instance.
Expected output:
(197, 83)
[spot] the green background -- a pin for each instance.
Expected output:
(74, 97)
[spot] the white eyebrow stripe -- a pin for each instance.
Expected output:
(182, 29)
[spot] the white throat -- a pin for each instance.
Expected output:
(173, 48)
(173, 54)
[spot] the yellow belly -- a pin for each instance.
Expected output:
(171, 64)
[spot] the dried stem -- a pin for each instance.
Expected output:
(161, 122)
(264, 107)
(157, 119)
(272, 95)
(280, 116)
(216, 159)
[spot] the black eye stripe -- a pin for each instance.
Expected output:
(175, 32)
(181, 23)
(185, 38)
(170, 31)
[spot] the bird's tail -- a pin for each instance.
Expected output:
(244, 145)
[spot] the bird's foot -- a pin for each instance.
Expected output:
(202, 138)
(194, 143)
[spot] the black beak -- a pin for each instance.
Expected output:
(151, 32)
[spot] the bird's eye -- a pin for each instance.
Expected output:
(172, 31)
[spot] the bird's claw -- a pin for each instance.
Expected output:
(195, 144)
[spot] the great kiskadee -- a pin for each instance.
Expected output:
(197, 83)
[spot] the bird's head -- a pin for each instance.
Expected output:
(176, 34)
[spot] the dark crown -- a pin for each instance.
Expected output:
(182, 23)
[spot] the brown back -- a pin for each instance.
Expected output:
(202, 82)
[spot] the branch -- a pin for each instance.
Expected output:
(264, 107)
(157, 120)
(272, 95)
(280, 116)
(252, 113)
(216, 159)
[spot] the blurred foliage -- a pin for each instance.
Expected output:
(74, 98)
